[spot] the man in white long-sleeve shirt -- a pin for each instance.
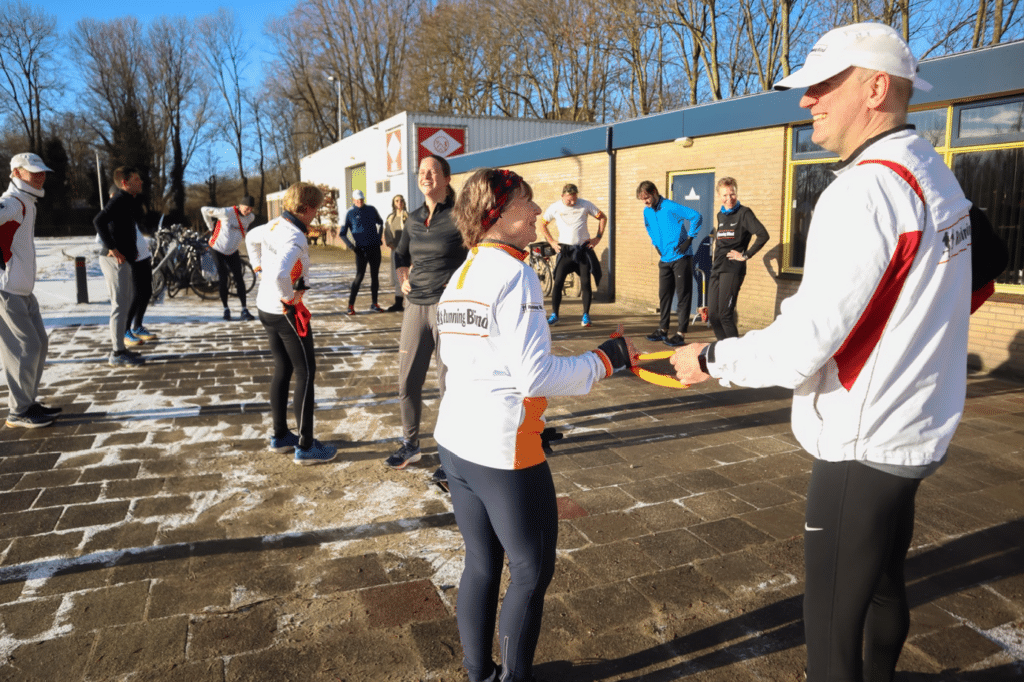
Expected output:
(229, 226)
(874, 344)
(23, 340)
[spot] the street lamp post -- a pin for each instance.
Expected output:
(337, 86)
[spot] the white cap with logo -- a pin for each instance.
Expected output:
(357, 194)
(870, 46)
(30, 162)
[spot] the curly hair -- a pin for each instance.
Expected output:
(477, 199)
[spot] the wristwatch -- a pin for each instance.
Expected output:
(702, 359)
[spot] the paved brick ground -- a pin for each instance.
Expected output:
(149, 535)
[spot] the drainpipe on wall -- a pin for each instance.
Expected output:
(611, 214)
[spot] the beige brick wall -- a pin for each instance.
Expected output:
(757, 160)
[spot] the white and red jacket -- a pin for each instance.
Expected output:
(280, 252)
(496, 346)
(17, 237)
(228, 225)
(874, 342)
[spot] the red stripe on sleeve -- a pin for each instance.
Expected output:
(901, 171)
(858, 346)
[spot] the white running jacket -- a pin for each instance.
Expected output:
(874, 342)
(496, 346)
(228, 225)
(280, 252)
(17, 237)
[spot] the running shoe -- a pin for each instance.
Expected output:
(317, 453)
(395, 308)
(657, 335)
(351, 310)
(227, 315)
(124, 358)
(45, 409)
(553, 319)
(31, 419)
(131, 340)
(586, 320)
(676, 340)
(407, 454)
(287, 442)
(246, 316)
(144, 334)
(440, 479)
(376, 308)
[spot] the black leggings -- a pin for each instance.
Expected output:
(142, 282)
(292, 354)
(232, 262)
(499, 511)
(858, 528)
(366, 255)
(723, 288)
(563, 266)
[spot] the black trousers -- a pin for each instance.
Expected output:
(293, 354)
(142, 282)
(675, 278)
(366, 255)
(859, 523)
(233, 263)
(723, 289)
(563, 266)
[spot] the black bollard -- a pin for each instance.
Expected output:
(83, 287)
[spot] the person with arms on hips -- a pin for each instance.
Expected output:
(736, 225)
(279, 252)
(117, 228)
(497, 348)
(428, 253)
(367, 234)
(874, 342)
(23, 339)
(229, 226)
(574, 246)
(394, 224)
(672, 228)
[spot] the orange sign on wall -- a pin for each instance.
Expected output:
(393, 147)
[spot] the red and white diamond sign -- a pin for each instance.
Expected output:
(444, 142)
(393, 145)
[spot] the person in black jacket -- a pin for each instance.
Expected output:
(116, 227)
(430, 250)
(736, 225)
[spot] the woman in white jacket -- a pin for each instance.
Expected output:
(279, 251)
(497, 348)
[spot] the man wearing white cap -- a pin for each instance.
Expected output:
(874, 344)
(367, 229)
(23, 340)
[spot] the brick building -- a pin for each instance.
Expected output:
(974, 116)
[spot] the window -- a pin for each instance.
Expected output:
(988, 122)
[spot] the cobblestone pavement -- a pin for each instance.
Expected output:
(150, 535)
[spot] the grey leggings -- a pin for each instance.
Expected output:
(502, 511)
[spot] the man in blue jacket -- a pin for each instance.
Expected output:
(672, 228)
(367, 233)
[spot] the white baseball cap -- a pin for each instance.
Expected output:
(870, 46)
(30, 162)
(357, 194)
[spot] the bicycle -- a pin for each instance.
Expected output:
(182, 260)
(540, 260)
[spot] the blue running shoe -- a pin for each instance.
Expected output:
(553, 319)
(586, 320)
(287, 442)
(407, 454)
(318, 453)
(144, 334)
(131, 340)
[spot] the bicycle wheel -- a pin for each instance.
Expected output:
(543, 270)
(204, 288)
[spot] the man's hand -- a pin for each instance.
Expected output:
(117, 255)
(736, 255)
(593, 242)
(403, 280)
(556, 246)
(685, 362)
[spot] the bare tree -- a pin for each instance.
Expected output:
(225, 55)
(29, 62)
